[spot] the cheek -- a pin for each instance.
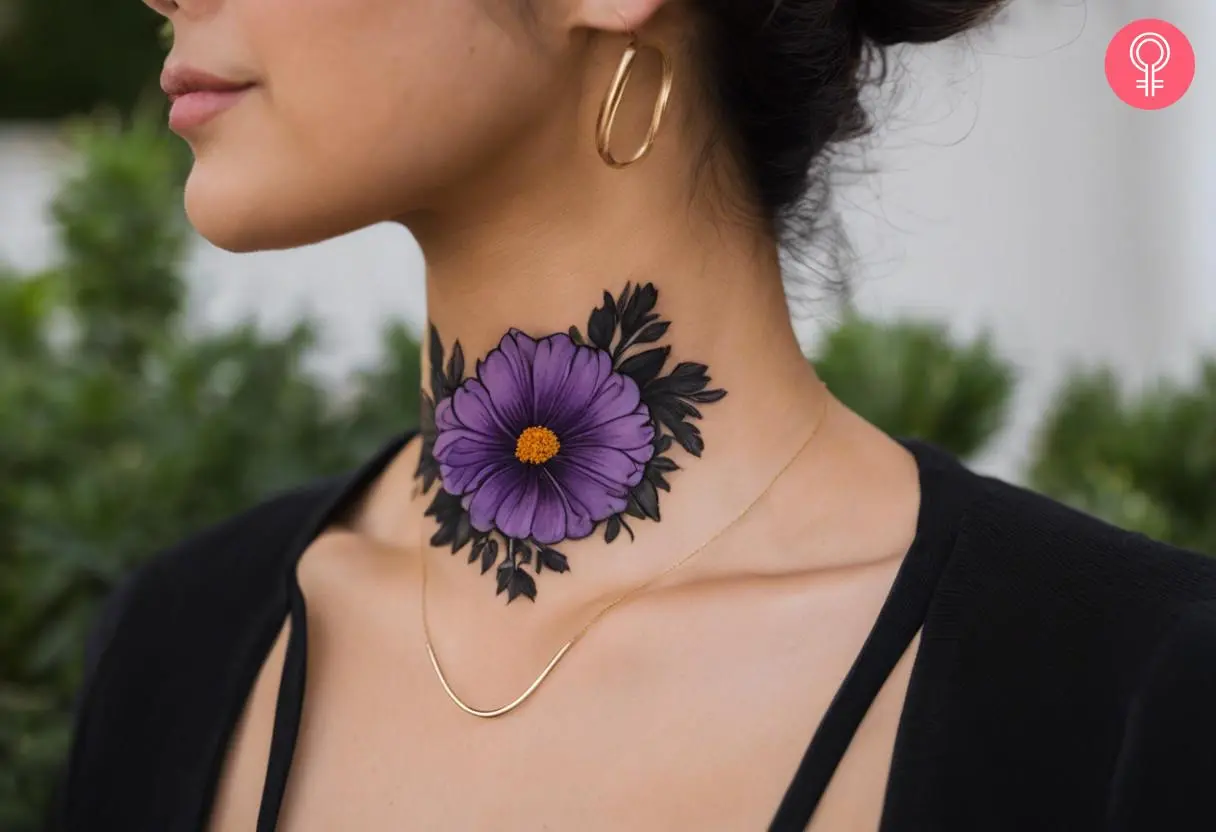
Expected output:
(355, 84)
(335, 70)
(365, 105)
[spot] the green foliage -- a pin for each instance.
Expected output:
(910, 379)
(121, 431)
(1146, 463)
(380, 391)
(64, 57)
(119, 266)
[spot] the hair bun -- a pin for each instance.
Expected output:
(890, 22)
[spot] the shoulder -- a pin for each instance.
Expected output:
(173, 651)
(1044, 550)
(1086, 555)
(1017, 553)
(1152, 601)
(1167, 757)
(1118, 631)
(1065, 634)
(229, 569)
(1048, 593)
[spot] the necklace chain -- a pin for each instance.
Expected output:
(629, 593)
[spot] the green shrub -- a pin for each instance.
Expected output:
(911, 379)
(1146, 463)
(66, 57)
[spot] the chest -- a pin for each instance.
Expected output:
(699, 728)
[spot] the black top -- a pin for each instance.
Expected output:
(1065, 678)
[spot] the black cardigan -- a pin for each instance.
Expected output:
(1065, 679)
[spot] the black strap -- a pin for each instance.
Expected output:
(286, 715)
(902, 614)
(290, 704)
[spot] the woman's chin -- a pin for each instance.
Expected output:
(245, 219)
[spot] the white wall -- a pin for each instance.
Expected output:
(1014, 192)
(1179, 194)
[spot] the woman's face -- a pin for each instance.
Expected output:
(360, 110)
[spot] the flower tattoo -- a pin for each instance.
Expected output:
(555, 436)
(545, 442)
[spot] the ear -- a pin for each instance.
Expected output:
(614, 15)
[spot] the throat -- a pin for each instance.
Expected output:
(571, 411)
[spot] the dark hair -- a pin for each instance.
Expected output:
(787, 77)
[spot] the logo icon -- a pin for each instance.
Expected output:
(1151, 82)
(1150, 64)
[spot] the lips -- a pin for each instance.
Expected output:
(197, 96)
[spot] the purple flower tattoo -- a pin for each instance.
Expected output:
(553, 437)
(546, 441)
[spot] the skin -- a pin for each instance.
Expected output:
(472, 124)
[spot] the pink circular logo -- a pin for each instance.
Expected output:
(1150, 64)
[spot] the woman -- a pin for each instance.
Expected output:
(690, 590)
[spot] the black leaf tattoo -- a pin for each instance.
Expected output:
(489, 555)
(602, 324)
(644, 366)
(552, 560)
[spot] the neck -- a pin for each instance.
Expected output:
(722, 297)
(534, 250)
(544, 272)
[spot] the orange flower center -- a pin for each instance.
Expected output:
(536, 446)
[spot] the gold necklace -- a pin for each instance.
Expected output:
(565, 648)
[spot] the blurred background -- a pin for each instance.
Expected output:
(1033, 287)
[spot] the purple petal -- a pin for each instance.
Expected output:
(484, 503)
(633, 434)
(549, 524)
(550, 372)
(506, 374)
(589, 368)
(577, 466)
(461, 438)
(466, 465)
(578, 519)
(518, 507)
(611, 467)
(526, 344)
(618, 396)
(472, 407)
(600, 496)
(444, 415)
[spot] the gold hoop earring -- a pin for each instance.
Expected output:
(612, 102)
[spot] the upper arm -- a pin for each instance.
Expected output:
(105, 623)
(101, 633)
(1165, 777)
